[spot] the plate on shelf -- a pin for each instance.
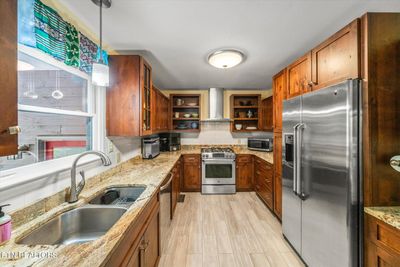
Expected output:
(191, 104)
(251, 128)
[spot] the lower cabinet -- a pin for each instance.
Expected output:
(382, 243)
(244, 173)
(263, 177)
(191, 178)
(177, 173)
(140, 246)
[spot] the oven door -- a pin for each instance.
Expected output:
(218, 172)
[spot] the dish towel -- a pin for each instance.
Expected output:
(50, 30)
(87, 53)
(71, 46)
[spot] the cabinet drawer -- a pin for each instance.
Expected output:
(244, 158)
(191, 158)
(383, 234)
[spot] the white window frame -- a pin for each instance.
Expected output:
(95, 100)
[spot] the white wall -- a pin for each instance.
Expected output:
(218, 133)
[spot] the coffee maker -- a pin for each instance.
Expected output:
(170, 141)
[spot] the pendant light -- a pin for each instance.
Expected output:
(100, 71)
(31, 87)
(57, 93)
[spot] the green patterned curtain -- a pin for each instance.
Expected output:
(72, 46)
(50, 30)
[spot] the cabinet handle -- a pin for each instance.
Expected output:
(12, 130)
(311, 83)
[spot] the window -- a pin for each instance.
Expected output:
(54, 110)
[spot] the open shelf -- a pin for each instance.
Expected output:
(241, 106)
(179, 104)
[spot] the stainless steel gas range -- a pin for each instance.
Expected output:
(218, 171)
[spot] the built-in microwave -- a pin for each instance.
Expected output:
(260, 144)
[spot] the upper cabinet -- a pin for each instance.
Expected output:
(267, 114)
(337, 58)
(299, 76)
(185, 112)
(134, 107)
(334, 60)
(8, 78)
(159, 114)
(279, 93)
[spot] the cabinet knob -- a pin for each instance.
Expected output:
(12, 130)
(311, 83)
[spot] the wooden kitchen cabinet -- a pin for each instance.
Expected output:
(140, 246)
(160, 114)
(8, 77)
(263, 176)
(267, 114)
(176, 181)
(299, 76)
(279, 93)
(191, 174)
(382, 243)
(278, 174)
(244, 172)
(129, 97)
(337, 58)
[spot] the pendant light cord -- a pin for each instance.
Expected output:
(101, 31)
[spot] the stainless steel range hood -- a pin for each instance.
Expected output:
(216, 106)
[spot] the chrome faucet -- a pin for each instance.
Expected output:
(76, 190)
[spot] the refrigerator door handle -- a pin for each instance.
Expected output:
(299, 137)
(295, 159)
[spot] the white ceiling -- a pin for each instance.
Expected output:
(176, 36)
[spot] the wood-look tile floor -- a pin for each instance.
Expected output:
(225, 231)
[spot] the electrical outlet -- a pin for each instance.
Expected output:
(110, 146)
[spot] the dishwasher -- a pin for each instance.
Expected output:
(165, 210)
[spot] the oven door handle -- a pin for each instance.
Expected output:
(219, 161)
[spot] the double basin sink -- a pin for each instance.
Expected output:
(88, 222)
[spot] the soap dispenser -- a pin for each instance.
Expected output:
(5, 225)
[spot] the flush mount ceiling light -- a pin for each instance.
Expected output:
(100, 71)
(225, 59)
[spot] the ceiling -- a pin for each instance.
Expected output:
(176, 36)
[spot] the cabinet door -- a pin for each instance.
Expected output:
(244, 172)
(146, 96)
(137, 257)
(278, 174)
(152, 241)
(191, 179)
(337, 58)
(279, 89)
(267, 113)
(299, 76)
(8, 76)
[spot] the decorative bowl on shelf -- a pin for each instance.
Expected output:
(194, 125)
(195, 115)
(238, 127)
(191, 104)
(186, 115)
(251, 128)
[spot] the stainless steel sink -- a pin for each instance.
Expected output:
(75, 226)
(120, 196)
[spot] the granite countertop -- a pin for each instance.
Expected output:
(136, 171)
(389, 215)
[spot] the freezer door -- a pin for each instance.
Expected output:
(291, 204)
(329, 176)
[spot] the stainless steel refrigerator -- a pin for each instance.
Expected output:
(321, 175)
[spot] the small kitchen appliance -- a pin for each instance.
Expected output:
(218, 170)
(170, 141)
(260, 144)
(150, 147)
